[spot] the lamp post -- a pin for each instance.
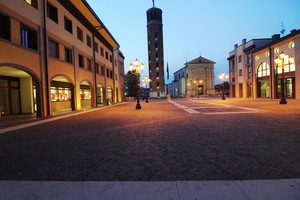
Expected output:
(281, 61)
(136, 69)
(222, 77)
(146, 81)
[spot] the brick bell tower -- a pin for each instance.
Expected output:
(155, 51)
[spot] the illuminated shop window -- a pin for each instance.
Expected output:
(85, 94)
(263, 70)
(60, 94)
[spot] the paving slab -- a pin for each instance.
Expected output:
(216, 190)
(150, 190)
(285, 189)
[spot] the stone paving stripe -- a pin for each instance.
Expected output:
(4, 130)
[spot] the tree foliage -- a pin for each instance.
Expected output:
(131, 84)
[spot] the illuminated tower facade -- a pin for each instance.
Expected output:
(155, 51)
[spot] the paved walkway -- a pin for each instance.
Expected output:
(287, 189)
(276, 189)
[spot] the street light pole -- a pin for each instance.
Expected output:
(223, 76)
(281, 61)
(136, 70)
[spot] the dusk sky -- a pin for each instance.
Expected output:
(195, 27)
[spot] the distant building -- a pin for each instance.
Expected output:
(194, 79)
(56, 56)
(155, 52)
(254, 74)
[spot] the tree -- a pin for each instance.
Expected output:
(131, 84)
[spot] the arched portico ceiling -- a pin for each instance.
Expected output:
(85, 83)
(61, 79)
(13, 72)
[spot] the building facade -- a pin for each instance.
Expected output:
(194, 79)
(254, 73)
(155, 51)
(57, 56)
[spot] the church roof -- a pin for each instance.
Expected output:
(201, 60)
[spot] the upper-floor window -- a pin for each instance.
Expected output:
(52, 12)
(106, 55)
(28, 37)
(232, 64)
(80, 61)
(68, 25)
(96, 47)
(263, 70)
(102, 70)
(89, 64)
(97, 68)
(101, 51)
(4, 27)
(110, 58)
(88, 41)
(33, 3)
(240, 72)
(53, 49)
(79, 34)
(249, 58)
(240, 58)
(68, 55)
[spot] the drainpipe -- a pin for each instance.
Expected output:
(46, 57)
(271, 73)
(95, 71)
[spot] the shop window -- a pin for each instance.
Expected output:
(4, 27)
(53, 49)
(85, 92)
(60, 94)
(28, 37)
(52, 12)
(68, 25)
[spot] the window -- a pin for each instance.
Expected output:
(232, 64)
(102, 70)
(80, 61)
(291, 45)
(249, 72)
(263, 70)
(60, 94)
(88, 41)
(53, 49)
(89, 64)
(240, 59)
(106, 55)
(79, 34)
(4, 27)
(101, 51)
(97, 68)
(110, 58)
(68, 25)
(68, 55)
(107, 73)
(33, 3)
(116, 75)
(28, 37)
(110, 74)
(249, 58)
(96, 48)
(240, 72)
(52, 12)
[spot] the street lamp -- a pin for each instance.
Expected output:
(136, 69)
(281, 61)
(222, 77)
(146, 81)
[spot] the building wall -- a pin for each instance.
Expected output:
(39, 68)
(265, 83)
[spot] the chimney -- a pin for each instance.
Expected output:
(275, 37)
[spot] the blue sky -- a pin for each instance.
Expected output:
(191, 28)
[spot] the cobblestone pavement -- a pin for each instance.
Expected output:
(160, 142)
